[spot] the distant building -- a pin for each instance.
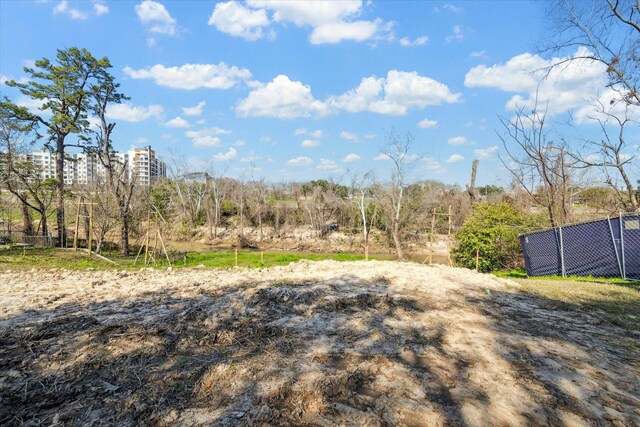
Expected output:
(86, 168)
(143, 164)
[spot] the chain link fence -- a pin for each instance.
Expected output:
(22, 238)
(607, 247)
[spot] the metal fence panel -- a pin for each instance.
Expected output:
(590, 250)
(603, 248)
(541, 253)
(631, 240)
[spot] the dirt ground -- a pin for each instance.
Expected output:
(326, 343)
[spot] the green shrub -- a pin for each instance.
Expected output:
(493, 229)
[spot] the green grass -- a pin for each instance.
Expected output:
(613, 299)
(24, 259)
(522, 274)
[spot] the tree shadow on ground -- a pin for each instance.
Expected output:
(344, 351)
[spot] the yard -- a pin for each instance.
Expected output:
(320, 343)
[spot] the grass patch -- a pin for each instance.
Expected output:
(618, 303)
(522, 274)
(45, 258)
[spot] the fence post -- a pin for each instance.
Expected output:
(615, 248)
(624, 270)
(477, 259)
(561, 253)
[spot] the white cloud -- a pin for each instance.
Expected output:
(485, 153)
(406, 42)
(235, 19)
(194, 111)
(177, 122)
(318, 133)
(455, 158)
(252, 157)
(206, 137)
(331, 21)
(349, 136)
(557, 89)
(63, 7)
(281, 98)
(382, 156)
(456, 35)
(426, 123)
(457, 140)
(100, 8)
(350, 158)
(131, 113)
(370, 136)
(433, 165)
(310, 143)
(336, 32)
(478, 54)
(394, 95)
(156, 17)
(453, 9)
(151, 42)
(224, 157)
(325, 164)
(192, 76)
(300, 161)
(239, 143)
(33, 105)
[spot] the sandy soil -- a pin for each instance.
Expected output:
(324, 344)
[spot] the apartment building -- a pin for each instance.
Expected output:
(143, 165)
(86, 169)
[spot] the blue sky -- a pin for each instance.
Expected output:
(295, 90)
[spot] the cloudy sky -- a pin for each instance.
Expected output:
(297, 90)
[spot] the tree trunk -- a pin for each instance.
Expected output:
(43, 219)
(124, 233)
(27, 220)
(396, 240)
(633, 200)
(62, 231)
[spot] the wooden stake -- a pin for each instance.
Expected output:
(164, 248)
(433, 226)
(77, 227)
(155, 239)
(477, 259)
(366, 252)
(146, 243)
(90, 228)
(236, 253)
(261, 257)
(449, 239)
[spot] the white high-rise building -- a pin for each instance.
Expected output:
(85, 168)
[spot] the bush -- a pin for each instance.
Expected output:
(493, 229)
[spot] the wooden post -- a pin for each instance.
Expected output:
(89, 243)
(366, 252)
(449, 239)
(433, 226)
(236, 257)
(77, 227)
(477, 259)
(155, 239)
(262, 257)
(146, 240)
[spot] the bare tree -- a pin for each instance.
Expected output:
(538, 163)
(397, 149)
(611, 153)
(19, 175)
(610, 32)
(118, 182)
(362, 194)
